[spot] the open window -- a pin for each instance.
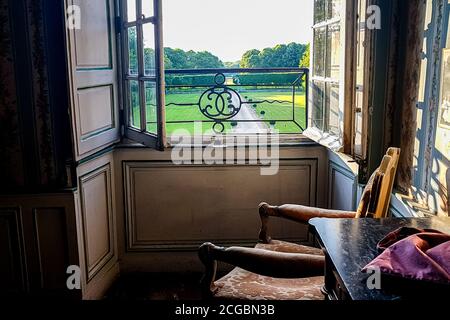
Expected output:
(143, 71)
(339, 107)
(326, 115)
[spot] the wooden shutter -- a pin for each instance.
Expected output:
(93, 77)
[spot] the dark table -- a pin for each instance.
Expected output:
(350, 244)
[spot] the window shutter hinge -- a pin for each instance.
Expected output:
(122, 122)
(118, 23)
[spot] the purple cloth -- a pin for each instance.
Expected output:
(414, 254)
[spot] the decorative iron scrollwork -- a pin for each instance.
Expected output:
(220, 103)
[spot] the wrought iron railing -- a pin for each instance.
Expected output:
(238, 101)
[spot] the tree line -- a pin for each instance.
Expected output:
(290, 55)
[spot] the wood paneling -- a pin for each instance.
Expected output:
(97, 219)
(179, 207)
(93, 77)
(96, 110)
(43, 239)
(342, 183)
(52, 246)
(93, 41)
(11, 253)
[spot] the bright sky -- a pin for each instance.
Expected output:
(228, 28)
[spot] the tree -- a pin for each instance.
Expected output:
(180, 59)
(277, 57)
(250, 59)
(305, 62)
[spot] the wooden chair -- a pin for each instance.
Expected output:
(276, 270)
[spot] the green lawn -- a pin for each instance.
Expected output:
(276, 111)
(280, 111)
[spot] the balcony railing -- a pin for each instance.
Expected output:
(237, 101)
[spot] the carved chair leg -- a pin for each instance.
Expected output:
(206, 257)
(265, 211)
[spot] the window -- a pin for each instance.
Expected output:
(360, 101)
(326, 115)
(143, 71)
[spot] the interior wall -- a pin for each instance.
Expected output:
(167, 211)
(432, 133)
(34, 123)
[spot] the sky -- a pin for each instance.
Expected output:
(228, 28)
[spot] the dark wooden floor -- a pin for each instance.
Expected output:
(160, 286)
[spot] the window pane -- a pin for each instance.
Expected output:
(334, 116)
(149, 49)
(147, 8)
(318, 104)
(362, 11)
(319, 51)
(319, 11)
(333, 9)
(333, 51)
(360, 58)
(132, 52)
(135, 113)
(131, 10)
(151, 107)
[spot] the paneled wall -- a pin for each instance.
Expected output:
(342, 182)
(38, 243)
(96, 223)
(167, 211)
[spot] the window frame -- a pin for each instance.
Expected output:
(348, 20)
(156, 140)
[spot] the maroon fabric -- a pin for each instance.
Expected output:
(415, 254)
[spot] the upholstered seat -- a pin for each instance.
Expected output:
(288, 247)
(244, 285)
(240, 284)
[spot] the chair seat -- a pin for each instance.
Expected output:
(240, 284)
(287, 247)
(243, 285)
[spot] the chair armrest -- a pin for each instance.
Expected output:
(295, 213)
(263, 262)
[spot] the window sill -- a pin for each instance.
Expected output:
(285, 141)
(332, 142)
(407, 207)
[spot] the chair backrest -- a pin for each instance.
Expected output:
(376, 197)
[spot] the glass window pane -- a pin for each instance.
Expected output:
(360, 58)
(333, 51)
(318, 89)
(319, 51)
(147, 8)
(333, 9)
(334, 116)
(149, 49)
(151, 107)
(135, 113)
(319, 11)
(131, 10)
(362, 11)
(132, 52)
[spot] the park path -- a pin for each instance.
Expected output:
(247, 113)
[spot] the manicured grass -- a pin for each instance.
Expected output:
(276, 111)
(279, 111)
